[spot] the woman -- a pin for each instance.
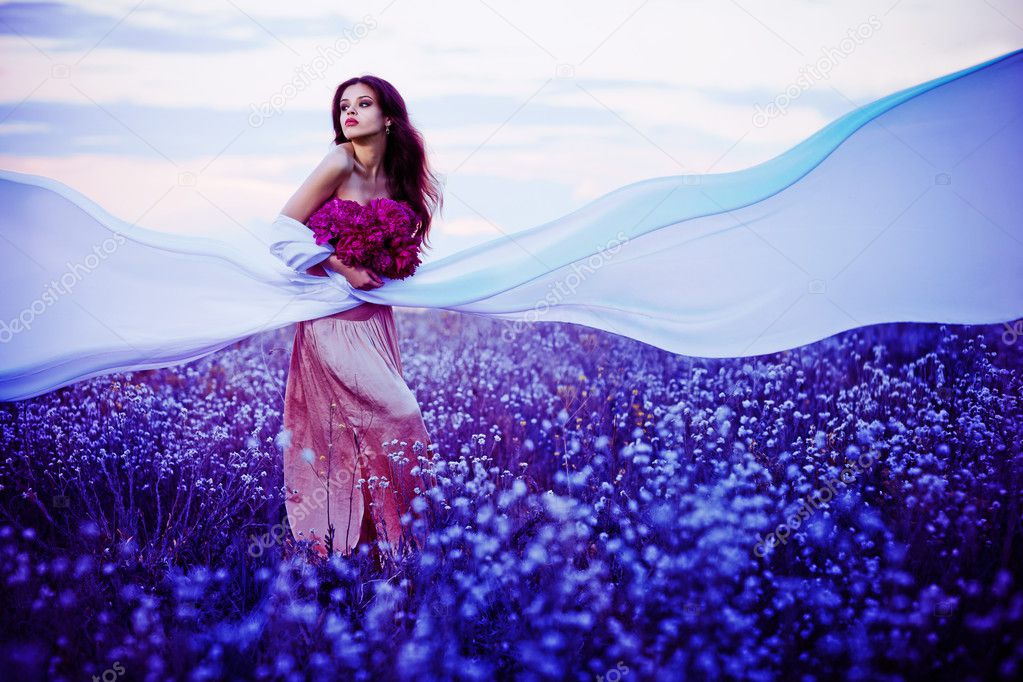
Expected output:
(345, 395)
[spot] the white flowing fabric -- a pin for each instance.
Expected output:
(907, 209)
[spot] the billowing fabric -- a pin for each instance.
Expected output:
(904, 210)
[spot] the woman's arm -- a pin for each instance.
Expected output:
(321, 184)
(358, 276)
(334, 169)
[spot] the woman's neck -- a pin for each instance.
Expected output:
(370, 158)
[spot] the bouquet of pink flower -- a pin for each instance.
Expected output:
(381, 236)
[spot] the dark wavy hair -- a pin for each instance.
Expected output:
(405, 163)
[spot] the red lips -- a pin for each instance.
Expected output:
(351, 122)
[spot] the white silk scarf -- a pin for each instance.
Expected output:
(907, 209)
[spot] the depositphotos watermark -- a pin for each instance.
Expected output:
(809, 504)
(316, 500)
(111, 673)
(314, 70)
(566, 285)
(1012, 332)
(614, 674)
(817, 71)
(62, 286)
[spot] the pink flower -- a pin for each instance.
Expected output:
(381, 236)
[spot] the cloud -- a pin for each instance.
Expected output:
(74, 28)
(468, 227)
(24, 128)
(528, 120)
(180, 134)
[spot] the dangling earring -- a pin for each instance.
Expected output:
(387, 129)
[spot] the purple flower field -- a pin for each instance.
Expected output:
(603, 510)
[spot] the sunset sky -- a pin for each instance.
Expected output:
(529, 109)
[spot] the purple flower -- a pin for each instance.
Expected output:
(381, 236)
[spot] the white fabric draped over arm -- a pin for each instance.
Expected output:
(906, 209)
(293, 242)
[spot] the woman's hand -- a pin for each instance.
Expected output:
(362, 278)
(358, 276)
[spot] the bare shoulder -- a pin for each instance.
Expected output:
(340, 158)
(339, 161)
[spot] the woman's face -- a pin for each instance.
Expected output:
(359, 104)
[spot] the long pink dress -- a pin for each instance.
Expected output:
(345, 398)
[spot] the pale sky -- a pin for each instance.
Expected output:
(529, 109)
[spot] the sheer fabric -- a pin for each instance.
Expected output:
(904, 210)
(349, 411)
